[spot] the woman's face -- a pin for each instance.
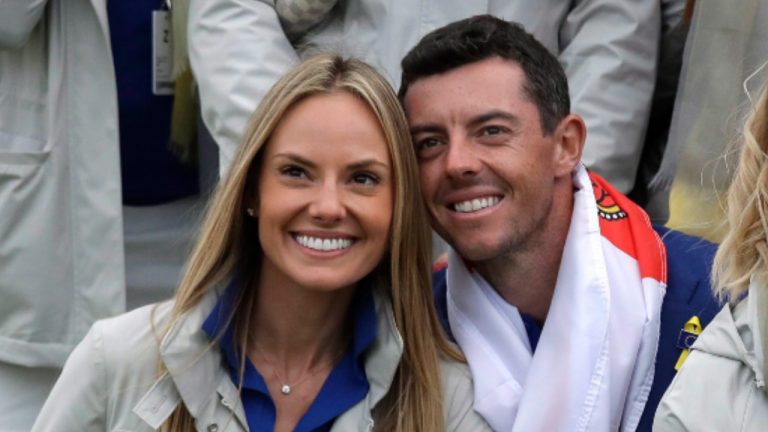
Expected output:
(325, 194)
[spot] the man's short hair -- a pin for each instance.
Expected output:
(484, 36)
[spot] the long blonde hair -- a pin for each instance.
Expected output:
(743, 253)
(227, 245)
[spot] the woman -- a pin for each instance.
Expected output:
(306, 302)
(721, 386)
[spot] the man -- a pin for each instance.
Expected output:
(554, 281)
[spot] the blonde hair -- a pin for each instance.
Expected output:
(743, 253)
(226, 247)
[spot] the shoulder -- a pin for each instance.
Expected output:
(458, 398)
(455, 375)
(689, 264)
(106, 374)
(134, 334)
(128, 346)
(689, 292)
(690, 404)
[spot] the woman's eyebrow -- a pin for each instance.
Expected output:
(293, 157)
(300, 160)
(367, 163)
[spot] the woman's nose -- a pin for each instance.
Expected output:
(327, 205)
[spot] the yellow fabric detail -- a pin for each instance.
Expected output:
(183, 142)
(693, 326)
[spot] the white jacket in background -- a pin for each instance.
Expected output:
(61, 239)
(608, 48)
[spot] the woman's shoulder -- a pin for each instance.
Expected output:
(132, 332)
(107, 374)
(128, 344)
(455, 375)
(458, 397)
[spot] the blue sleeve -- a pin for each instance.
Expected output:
(689, 263)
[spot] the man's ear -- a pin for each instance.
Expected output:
(570, 136)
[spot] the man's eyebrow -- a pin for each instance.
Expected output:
(427, 127)
(494, 115)
(473, 122)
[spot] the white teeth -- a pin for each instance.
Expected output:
(324, 245)
(475, 204)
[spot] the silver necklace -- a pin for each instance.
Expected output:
(285, 387)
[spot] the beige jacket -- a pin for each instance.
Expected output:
(110, 381)
(721, 386)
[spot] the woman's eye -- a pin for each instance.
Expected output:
(367, 179)
(293, 171)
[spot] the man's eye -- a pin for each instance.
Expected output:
(293, 171)
(427, 143)
(366, 179)
(492, 130)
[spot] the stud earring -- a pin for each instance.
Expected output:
(250, 212)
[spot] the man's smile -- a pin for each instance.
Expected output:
(476, 204)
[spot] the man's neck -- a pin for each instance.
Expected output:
(526, 277)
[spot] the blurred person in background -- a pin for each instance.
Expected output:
(608, 49)
(726, 43)
(93, 198)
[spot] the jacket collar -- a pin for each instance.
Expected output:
(385, 351)
(190, 359)
(194, 365)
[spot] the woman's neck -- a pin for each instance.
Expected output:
(299, 328)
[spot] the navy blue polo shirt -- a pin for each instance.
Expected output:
(346, 385)
(533, 329)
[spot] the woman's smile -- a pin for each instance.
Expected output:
(324, 244)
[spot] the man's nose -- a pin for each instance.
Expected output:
(327, 203)
(462, 160)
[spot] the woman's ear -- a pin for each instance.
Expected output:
(251, 201)
(570, 136)
(252, 206)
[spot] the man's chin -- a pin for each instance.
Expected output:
(477, 252)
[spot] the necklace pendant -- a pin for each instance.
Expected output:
(285, 389)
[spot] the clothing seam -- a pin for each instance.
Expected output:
(101, 351)
(74, 325)
(747, 405)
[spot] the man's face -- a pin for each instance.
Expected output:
(488, 171)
